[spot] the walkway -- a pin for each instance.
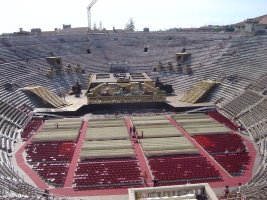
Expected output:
(75, 158)
(25, 167)
(140, 156)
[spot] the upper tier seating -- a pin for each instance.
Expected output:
(12, 119)
(243, 101)
(12, 185)
(211, 55)
(255, 114)
(17, 116)
(260, 85)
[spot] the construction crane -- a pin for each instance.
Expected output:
(89, 12)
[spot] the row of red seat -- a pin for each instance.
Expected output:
(33, 125)
(51, 160)
(107, 186)
(227, 149)
(50, 152)
(220, 143)
(107, 182)
(222, 119)
(107, 173)
(117, 165)
(42, 158)
(186, 176)
(50, 144)
(108, 162)
(108, 165)
(175, 158)
(53, 173)
(179, 182)
(182, 168)
(232, 163)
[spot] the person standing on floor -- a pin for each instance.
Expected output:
(238, 150)
(227, 151)
(46, 194)
(155, 182)
(145, 177)
(226, 191)
(240, 188)
(136, 137)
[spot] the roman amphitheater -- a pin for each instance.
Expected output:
(70, 99)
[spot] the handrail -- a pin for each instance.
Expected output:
(53, 196)
(231, 196)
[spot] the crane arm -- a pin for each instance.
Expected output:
(91, 4)
(89, 12)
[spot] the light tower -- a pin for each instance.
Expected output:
(100, 25)
(89, 12)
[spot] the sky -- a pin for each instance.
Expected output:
(156, 15)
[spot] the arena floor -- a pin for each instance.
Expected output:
(108, 194)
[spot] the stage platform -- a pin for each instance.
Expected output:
(79, 105)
